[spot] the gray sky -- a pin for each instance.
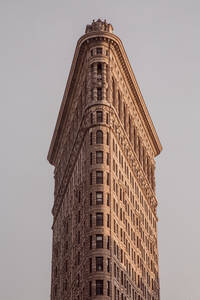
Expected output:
(38, 40)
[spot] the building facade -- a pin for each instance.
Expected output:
(103, 149)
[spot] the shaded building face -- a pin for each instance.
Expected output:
(103, 149)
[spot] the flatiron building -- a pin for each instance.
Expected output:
(103, 149)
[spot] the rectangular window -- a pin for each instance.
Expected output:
(90, 220)
(90, 241)
(99, 93)
(91, 158)
(108, 220)
(108, 199)
(99, 198)
(99, 157)
(107, 158)
(90, 178)
(90, 288)
(108, 288)
(99, 263)
(99, 50)
(99, 241)
(108, 242)
(91, 118)
(90, 199)
(99, 287)
(108, 179)
(99, 219)
(99, 116)
(108, 264)
(99, 177)
(90, 263)
(91, 52)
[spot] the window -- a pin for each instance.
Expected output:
(108, 264)
(90, 178)
(99, 137)
(99, 287)
(99, 93)
(99, 157)
(107, 138)
(90, 241)
(108, 242)
(108, 179)
(108, 288)
(99, 263)
(99, 219)
(107, 158)
(90, 220)
(99, 241)
(108, 220)
(91, 158)
(91, 138)
(91, 52)
(108, 199)
(90, 264)
(99, 50)
(99, 177)
(99, 198)
(91, 118)
(99, 70)
(99, 116)
(90, 199)
(90, 288)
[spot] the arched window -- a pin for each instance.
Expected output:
(99, 137)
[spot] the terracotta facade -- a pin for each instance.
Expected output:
(103, 149)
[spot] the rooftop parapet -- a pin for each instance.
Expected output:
(99, 25)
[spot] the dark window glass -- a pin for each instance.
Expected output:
(108, 199)
(99, 70)
(99, 263)
(91, 138)
(108, 179)
(107, 138)
(108, 288)
(90, 241)
(107, 158)
(91, 118)
(90, 178)
(90, 220)
(90, 264)
(108, 220)
(90, 288)
(99, 241)
(108, 242)
(99, 219)
(99, 93)
(91, 158)
(99, 198)
(91, 52)
(90, 199)
(99, 50)
(99, 177)
(99, 157)
(108, 264)
(99, 116)
(99, 287)
(99, 137)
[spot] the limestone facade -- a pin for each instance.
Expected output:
(103, 149)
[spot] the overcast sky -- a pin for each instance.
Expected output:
(38, 39)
